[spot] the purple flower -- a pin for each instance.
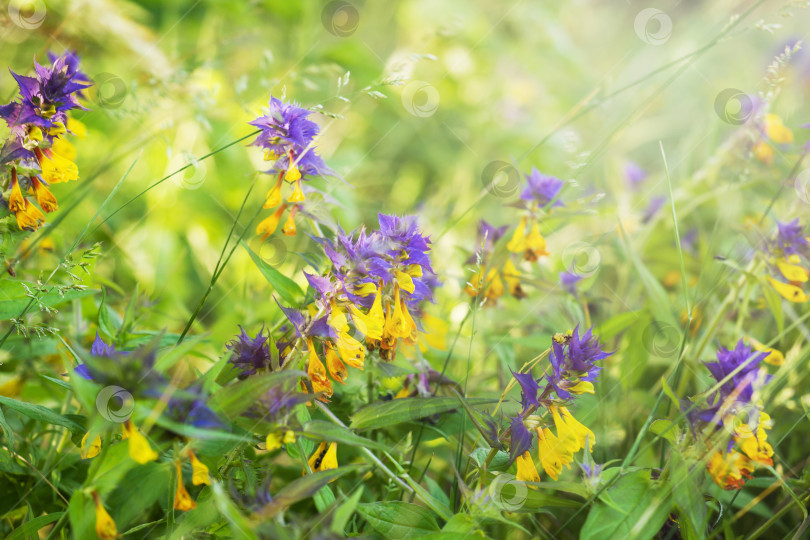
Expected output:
(488, 235)
(791, 238)
(542, 189)
(655, 205)
(397, 247)
(572, 360)
(634, 174)
(741, 383)
(528, 390)
(569, 281)
(286, 132)
(101, 349)
(249, 354)
(520, 439)
(189, 407)
(45, 98)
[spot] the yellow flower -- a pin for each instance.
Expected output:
(292, 174)
(756, 446)
(729, 471)
(91, 450)
(535, 244)
(64, 148)
(371, 323)
(526, 470)
(268, 225)
(763, 152)
(337, 369)
(511, 276)
(776, 130)
(182, 500)
(16, 201)
(317, 374)
(199, 471)
(273, 441)
(273, 196)
(324, 458)
(350, 350)
(792, 272)
(571, 433)
(553, 454)
(788, 291)
(582, 387)
(105, 526)
(45, 198)
(139, 448)
(77, 128)
(397, 325)
(29, 218)
(518, 242)
(289, 226)
(435, 333)
(58, 168)
(297, 195)
(775, 358)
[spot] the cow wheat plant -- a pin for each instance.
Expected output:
(404, 269)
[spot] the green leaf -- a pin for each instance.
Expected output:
(13, 299)
(9, 433)
(389, 413)
(286, 288)
(499, 463)
(633, 508)
(666, 428)
(321, 430)
(40, 413)
(240, 526)
(302, 488)
(343, 512)
(323, 499)
(31, 527)
(396, 519)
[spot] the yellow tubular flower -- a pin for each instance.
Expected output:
(729, 471)
(77, 128)
(775, 358)
(16, 201)
(182, 500)
(526, 470)
(518, 242)
(397, 325)
(64, 148)
(365, 289)
(570, 431)
(763, 152)
(405, 281)
(511, 276)
(289, 437)
(57, 168)
(351, 351)
(776, 130)
(552, 454)
(105, 526)
(91, 450)
(324, 458)
(297, 195)
(757, 447)
(139, 449)
(268, 225)
(535, 244)
(57, 129)
(45, 198)
(370, 324)
(337, 369)
(199, 471)
(289, 226)
(789, 292)
(317, 373)
(582, 387)
(273, 196)
(273, 441)
(292, 174)
(35, 134)
(792, 272)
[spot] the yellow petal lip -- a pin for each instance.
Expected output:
(788, 291)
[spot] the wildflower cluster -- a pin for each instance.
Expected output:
(37, 153)
(573, 370)
(540, 195)
(288, 138)
(735, 407)
(789, 259)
